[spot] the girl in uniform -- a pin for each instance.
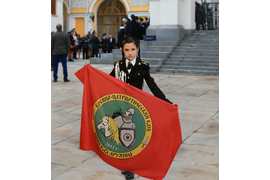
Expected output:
(132, 70)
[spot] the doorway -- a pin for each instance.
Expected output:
(109, 18)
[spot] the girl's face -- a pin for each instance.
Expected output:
(130, 51)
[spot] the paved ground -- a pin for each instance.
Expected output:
(197, 158)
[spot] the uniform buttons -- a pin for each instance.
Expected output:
(128, 77)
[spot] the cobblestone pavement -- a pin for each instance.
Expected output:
(197, 157)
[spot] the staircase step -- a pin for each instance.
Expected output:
(161, 48)
(188, 72)
(216, 65)
(199, 45)
(200, 64)
(203, 38)
(117, 56)
(175, 63)
(167, 71)
(192, 60)
(197, 48)
(196, 72)
(117, 51)
(202, 58)
(208, 68)
(206, 51)
(164, 43)
(194, 54)
(154, 68)
(154, 61)
(198, 42)
(194, 57)
(152, 54)
(197, 54)
(190, 69)
(194, 63)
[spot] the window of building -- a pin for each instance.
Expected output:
(53, 7)
(109, 17)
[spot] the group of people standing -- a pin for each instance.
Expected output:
(134, 27)
(90, 45)
(72, 43)
(79, 43)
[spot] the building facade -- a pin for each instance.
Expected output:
(100, 15)
(171, 17)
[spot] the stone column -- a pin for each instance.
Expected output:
(169, 19)
(187, 15)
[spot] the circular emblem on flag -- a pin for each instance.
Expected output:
(122, 125)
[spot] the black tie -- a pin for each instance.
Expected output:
(129, 65)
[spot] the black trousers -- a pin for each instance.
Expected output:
(94, 52)
(110, 50)
(85, 52)
(104, 50)
(75, 52)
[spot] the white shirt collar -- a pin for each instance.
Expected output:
(132, 62)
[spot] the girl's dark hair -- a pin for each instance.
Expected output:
(131, 39)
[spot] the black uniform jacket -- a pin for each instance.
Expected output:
(95, 42)
(83, 43)
(139, 72)
(104, 43)
(111, 44)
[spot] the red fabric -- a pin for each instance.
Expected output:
(155, 160)
(70, 51)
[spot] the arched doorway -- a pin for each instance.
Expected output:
(109, 17)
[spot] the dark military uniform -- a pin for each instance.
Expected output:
(105, 45)
(139, 72)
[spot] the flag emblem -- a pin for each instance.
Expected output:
(122, 125)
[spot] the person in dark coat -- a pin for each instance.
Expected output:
(60, 45)
(84, 44)
(95, 43)
(104, 43)
(142, 28)
(120, 36)
(112, 43)
(131, 27)
(72, 41)
(147, 22)
(137, 31)
(128, 28)
(134, 27)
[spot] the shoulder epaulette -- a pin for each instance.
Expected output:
(143, 62)
(117, 62)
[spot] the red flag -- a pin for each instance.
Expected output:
(128, 128)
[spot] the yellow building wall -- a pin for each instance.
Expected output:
(74, 11)
(139, 8)
(80, 26)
